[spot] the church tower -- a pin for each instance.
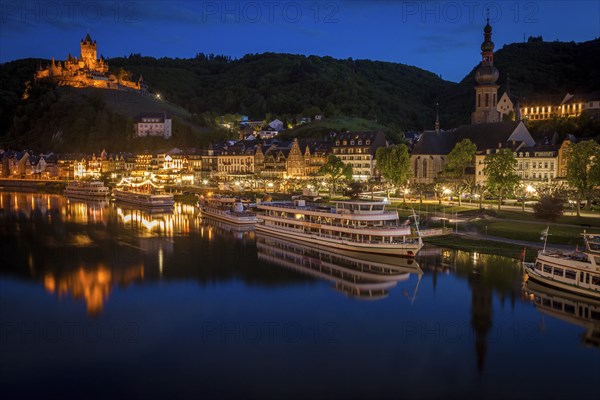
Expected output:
(486, 90)
(88, 52)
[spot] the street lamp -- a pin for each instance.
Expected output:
(447, 192)
(529, 190)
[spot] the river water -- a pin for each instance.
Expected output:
(99, 301)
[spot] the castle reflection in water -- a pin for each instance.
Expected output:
(84, 250)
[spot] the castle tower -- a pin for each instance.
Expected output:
(486, 90)
(88, 52)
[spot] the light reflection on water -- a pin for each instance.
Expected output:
(445, 312)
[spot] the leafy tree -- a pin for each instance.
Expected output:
(501, 173)
(394, 164)
(583, 170)
(355, 189)
(335, 170)
(419, 189)
(459, 159)
(549, 207)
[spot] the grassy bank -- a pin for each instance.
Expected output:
(531, 232)
(484, 246)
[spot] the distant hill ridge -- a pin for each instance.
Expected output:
(395, 95)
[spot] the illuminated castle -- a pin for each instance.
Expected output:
(86, 71)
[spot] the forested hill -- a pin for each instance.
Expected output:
(288, 85)
(536, 69)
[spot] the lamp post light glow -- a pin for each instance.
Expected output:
(529, 190)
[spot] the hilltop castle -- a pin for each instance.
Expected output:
(87, 71)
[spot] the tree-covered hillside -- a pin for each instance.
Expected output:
(286, 86)
(536, 69)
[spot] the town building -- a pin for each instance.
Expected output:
(153, 124)
(557, 106)
(358, 150)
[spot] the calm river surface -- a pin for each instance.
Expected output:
(98, 301)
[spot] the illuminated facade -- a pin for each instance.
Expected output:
(153, 124)
(358, 150)
(571, 105)
(86, 71)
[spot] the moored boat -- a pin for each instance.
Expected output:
(87, 190)
(363, 226)
(572, 271)
(228, 209)
(145, 194)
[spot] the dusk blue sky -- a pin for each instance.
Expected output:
(440, 36)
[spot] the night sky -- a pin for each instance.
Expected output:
(442, 37)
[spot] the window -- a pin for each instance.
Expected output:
(345, 142)
(558, 271)
(368, 142)
(337, 143)
(547, 268)
(360, 142)
(570, 274)
(487, 99)
(352, 142)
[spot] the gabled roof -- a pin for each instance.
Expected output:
(487, 136)
(431, 142)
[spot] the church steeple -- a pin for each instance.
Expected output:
(486, 76)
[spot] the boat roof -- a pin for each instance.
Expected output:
(378, 203)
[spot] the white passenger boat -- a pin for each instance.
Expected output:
(87, 190)
(228, 209)
(145, 194)
(349, 225)
(350, 273)
(572, 271)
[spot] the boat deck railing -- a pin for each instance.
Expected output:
(323, 209)
(348, 239)
(386, 227)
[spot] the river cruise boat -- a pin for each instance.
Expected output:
(351, 274)
(87, 190)
(228, 209)
(363, 226)
(145, 195)
(571, 271)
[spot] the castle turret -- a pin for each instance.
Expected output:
(486, 76)
(88, 52)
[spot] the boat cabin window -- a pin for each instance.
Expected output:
(558, 271)
(547, 268)
(538, 265)
(596, 280)
(570, 274)
(569, 308)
